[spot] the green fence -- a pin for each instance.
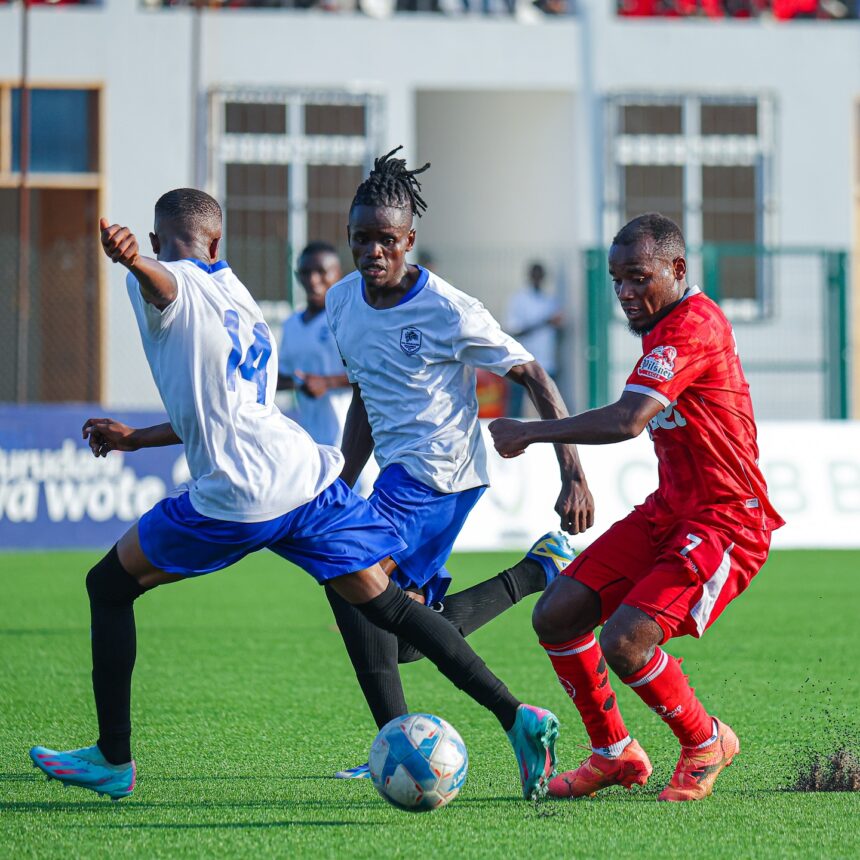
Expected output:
(789, 309)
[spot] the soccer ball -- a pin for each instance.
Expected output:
(418, 762)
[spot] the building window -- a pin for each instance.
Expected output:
(50, 310)
(63, 131)
(706, 162)
(285, 164)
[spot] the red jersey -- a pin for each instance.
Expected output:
(705, 438)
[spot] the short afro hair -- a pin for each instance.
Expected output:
(192, 211)
(666, 234)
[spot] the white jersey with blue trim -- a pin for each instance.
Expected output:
(216, 367)
(309, 347)
(415, 364)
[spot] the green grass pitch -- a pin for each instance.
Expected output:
(245, 703)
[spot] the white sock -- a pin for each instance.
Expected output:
(613, 750)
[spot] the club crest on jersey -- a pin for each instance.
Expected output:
(410, 340)
(659, 363)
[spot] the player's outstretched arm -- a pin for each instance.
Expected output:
(105, 435)
(624, 419)
(357, 439)
(157, 284)
(575, 505)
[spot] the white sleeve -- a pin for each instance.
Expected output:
(157, 321)
(332, 317)
(480, 342)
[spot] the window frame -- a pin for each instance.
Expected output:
(90, 181)
(691, 150)
(294, 149)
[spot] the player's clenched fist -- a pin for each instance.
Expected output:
(119, 243)
(105, 435)
(509, 436)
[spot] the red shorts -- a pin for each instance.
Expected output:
(683, 576)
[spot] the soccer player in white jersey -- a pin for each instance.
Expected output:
(258, 481)
(411, 344)
(308, 360)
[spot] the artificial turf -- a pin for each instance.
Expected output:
(245, 704)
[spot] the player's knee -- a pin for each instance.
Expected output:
(618, 648)
(109, 583)
(625, 651)
(564, 611)
(628, 640)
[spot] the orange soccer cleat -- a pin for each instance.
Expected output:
(698, 769)
(631, 768)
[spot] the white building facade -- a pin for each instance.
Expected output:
(544, 136)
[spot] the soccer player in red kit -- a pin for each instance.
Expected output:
(676, 561)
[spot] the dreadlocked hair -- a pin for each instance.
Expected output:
(391, 185)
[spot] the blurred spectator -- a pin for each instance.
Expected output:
(309, 362)
(778, 9)
(371, 8)
(534, 319)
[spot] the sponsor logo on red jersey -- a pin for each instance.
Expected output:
(668, 419)
(659, 363)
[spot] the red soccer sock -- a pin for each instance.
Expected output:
(663, 686)
(581, 669)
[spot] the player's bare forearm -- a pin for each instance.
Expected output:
(157, 436)
(550, 405)
(357, 439)
(624, 419)
(575, 505)
(105, 435)
(157, 284)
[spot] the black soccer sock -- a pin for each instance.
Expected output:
(112, 594)
(373, 653)
(435, 637)
(473, 607)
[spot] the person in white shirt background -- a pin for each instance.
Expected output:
(309, 361)
(534, 319)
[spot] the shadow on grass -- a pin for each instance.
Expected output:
(41, 631)
(238, 778)
(223, 825)
(127, 806)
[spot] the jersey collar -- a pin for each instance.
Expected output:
(691, 291)
(210, 270)
(423, 277)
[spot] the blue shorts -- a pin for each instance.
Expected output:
(336, 533)
(429, 522)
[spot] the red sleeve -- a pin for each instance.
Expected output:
(673, 359)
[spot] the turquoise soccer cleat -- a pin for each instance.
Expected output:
(533, 737)
(86, 768)
(360, 771)
(553, 553)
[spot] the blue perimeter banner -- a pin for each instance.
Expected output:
(54, 494)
